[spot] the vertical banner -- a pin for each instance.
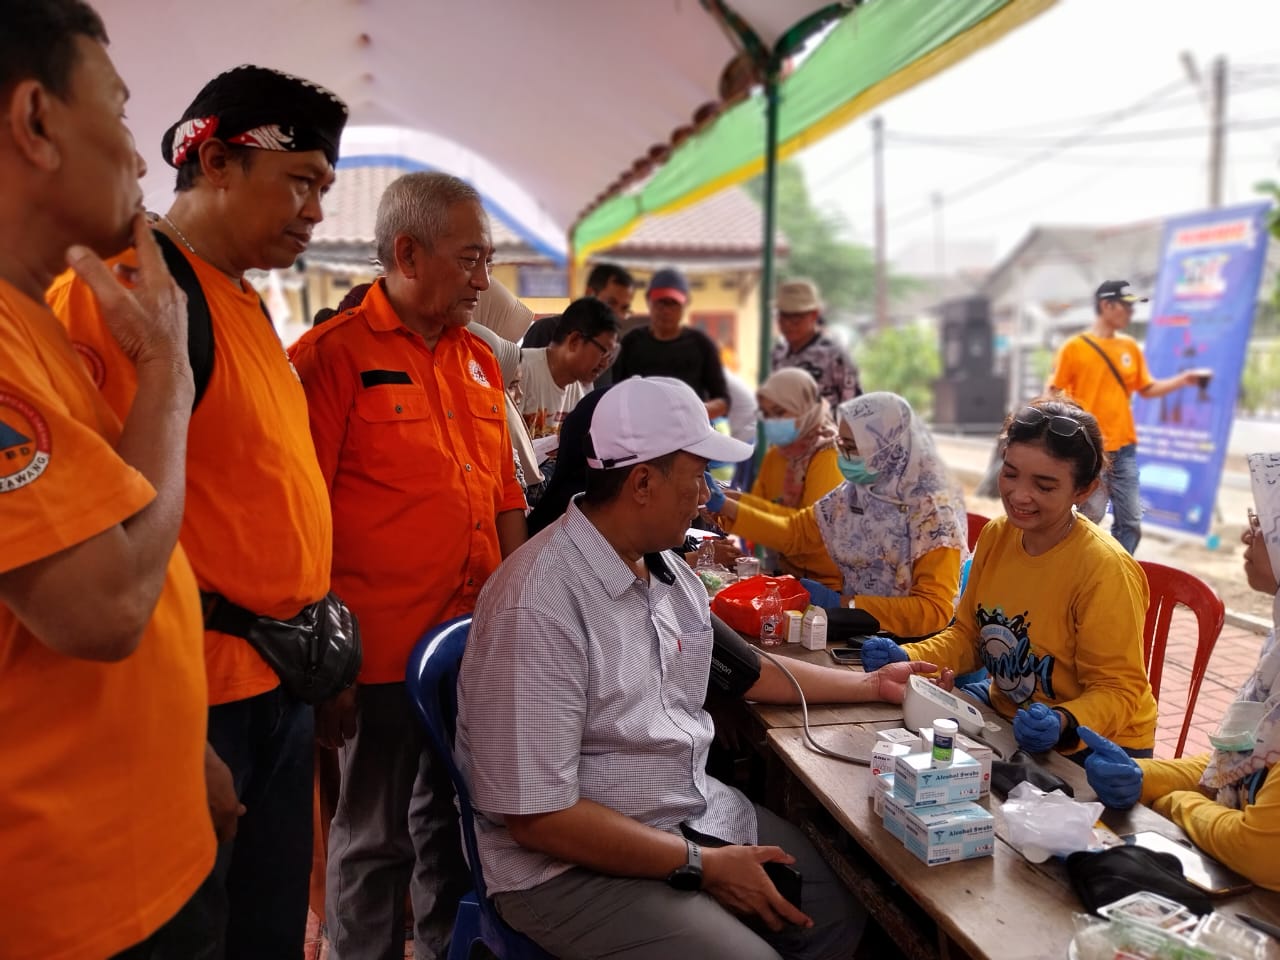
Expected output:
(1201, 315)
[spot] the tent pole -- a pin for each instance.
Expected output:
(770, 204)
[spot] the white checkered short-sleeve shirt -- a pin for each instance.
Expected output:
(581, 680)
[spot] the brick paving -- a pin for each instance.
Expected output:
(1234, 657)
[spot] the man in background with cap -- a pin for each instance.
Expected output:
(804, 345)
(254, 154)
(665, 348)
(582, 730)
(1101, 370)
(408, 414)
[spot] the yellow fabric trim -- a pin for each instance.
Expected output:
(1009, 17)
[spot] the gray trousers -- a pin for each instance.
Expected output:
(395, 829)
(581, 914)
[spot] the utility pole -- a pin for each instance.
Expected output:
(1215, 104)
(939, 250)
(882, 291)
(1217, 130)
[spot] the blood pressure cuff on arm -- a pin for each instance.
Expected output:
(735, 667)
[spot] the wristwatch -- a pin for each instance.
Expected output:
(688, 877)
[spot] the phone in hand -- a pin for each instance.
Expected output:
(787, 879)
(849, 656)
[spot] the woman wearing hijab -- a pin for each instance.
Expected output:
(1226, 801)
(895, 527)
(799, 466)
(508, 355)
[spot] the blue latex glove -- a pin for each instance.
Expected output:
(878, 651)
(1037, 728)
(1113, 774)
(979, 690)
(716, 501)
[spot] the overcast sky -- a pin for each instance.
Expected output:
(1063, 74)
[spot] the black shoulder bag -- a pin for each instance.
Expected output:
(1110, 366)
(317, 653)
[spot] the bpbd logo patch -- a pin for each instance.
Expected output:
(25, 443)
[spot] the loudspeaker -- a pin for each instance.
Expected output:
(966, 337)
(960, 402)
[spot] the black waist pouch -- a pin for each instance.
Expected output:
(1109, 875)
(316, 654)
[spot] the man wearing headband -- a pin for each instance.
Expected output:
(1101, 370)
(254, 155)
(582, 729)
(105, 832)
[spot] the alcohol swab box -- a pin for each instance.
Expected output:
(953, 831)
(919, 783)
(979, 751)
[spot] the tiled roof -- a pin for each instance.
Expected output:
(351, 207)
(728, 222)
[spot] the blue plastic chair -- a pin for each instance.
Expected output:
(432, 679)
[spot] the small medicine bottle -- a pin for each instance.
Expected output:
(944, 741)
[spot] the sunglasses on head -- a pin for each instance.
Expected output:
(1059, 424)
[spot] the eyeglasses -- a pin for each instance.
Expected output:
(1060, 425)
(605, 351)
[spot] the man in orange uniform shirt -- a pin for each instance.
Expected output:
(254, 153)
(105, 831)
(410, 428)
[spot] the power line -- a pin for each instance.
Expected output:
(1102, 140)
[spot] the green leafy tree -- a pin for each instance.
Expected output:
(844, 271)
(905, 361)
(1271, 189)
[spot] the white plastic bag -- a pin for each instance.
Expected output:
(1041, 825)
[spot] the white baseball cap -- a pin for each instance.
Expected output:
(643, 418)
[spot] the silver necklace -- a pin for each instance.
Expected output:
(181, 236)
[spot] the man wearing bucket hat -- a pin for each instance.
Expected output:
(804, 345)
(582, 730)
(1101, 370)
(254, 154)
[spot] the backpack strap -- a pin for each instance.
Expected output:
(1110, 366)
(199, 323)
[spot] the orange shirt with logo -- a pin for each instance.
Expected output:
(414, 446)
(1085, 377)
(257, 525)
(104, 823)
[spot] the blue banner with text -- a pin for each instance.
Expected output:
(1201, 315)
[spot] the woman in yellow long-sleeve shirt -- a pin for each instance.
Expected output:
(799, 467)
(1227, 801)
(895, 527)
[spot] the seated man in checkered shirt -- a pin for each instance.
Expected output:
(581, 723)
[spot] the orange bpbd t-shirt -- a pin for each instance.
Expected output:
(257, 525)
(1084, 376)
(413, 442)
(104, 823)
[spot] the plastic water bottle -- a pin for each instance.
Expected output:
(771, 629)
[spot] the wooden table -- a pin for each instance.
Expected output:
(1001, 906)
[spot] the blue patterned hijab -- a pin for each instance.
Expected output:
(876, 532)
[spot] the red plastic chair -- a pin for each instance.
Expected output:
(1169, 587)
(976, 522)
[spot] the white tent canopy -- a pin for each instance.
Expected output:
(540, 104)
